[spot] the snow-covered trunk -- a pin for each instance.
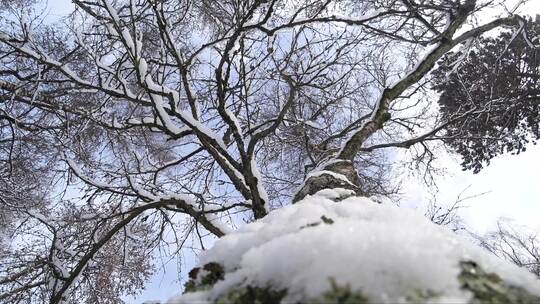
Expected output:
(337, 174)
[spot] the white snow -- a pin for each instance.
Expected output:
(38, 215)
(219, 223)
(111, 10)
(260, 187)
(214, 218)
(197, 125)
(235, 121)
(338, 17)
(187, 117)
(334, 174)
(319, 171)
(314, 124)
(80, 174)
(139, 189)
(335, 193)
(116, 124)
(381, 250)
(143, 68)
(128, 40)
(166, 120)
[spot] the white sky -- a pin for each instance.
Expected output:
(513, 182)
(515, 192)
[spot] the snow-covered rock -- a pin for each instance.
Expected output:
(353, 251)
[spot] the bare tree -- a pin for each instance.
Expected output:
(150, 123)
(449, 214)
(514, 243)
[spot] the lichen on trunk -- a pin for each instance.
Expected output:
(489, 288)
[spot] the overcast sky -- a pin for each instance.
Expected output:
(513, 183)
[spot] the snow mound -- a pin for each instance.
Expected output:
(385, 253)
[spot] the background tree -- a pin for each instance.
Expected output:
(149, 125)
(514, 243)
(509, 241)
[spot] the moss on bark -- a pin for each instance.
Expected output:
(252, 295)
(486, 288)
(489, 288)
(201, 280)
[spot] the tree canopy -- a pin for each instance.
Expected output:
(498, 78)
